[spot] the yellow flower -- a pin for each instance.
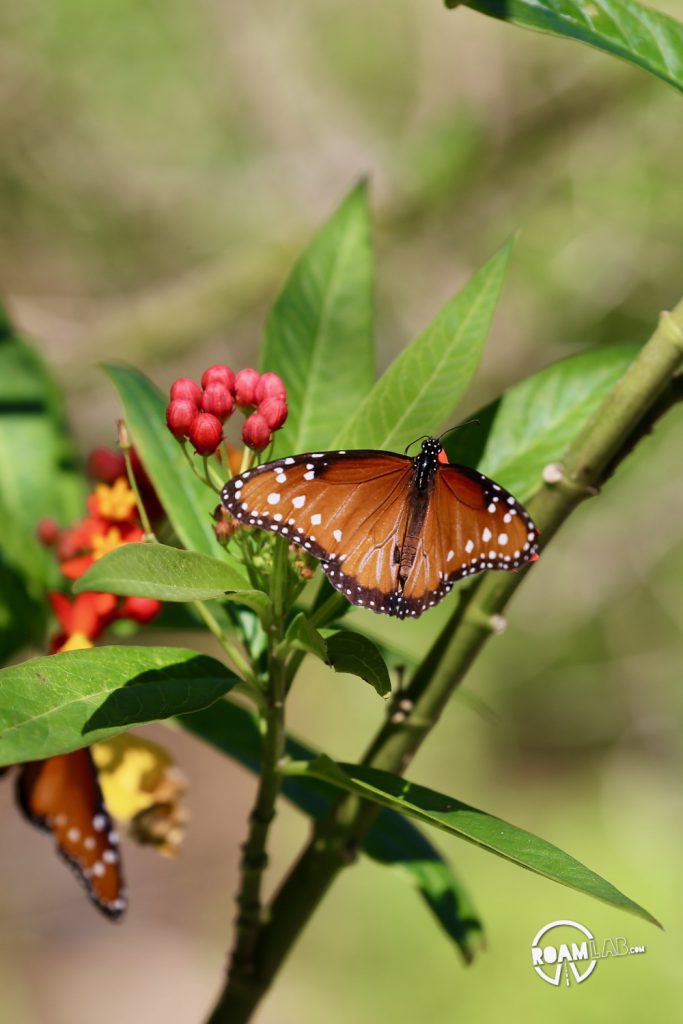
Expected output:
(102, 544)
(76, 642)
(144, 788)
(116, 502)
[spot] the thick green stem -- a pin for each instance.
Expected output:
(603, 442)
(242, 974)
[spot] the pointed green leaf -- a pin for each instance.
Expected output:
(319, 337)
(168, 574)
(534, 422)
(356, 655)
(188, 503)
(392, 839)
(56, 704)
(475, 826)
(638, 34)
(305, 637)
(425, 382)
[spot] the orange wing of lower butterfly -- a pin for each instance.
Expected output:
(472, 524)
(62, 795)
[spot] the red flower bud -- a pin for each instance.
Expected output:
(224, 525)
(206, 433)
(270, 386)
(256, 432)
(106, 465)
(47, 532)
(274, 412)
(246, 382)
(218, 401)
(141, 609)
(186, 388)
(219, 375)
(180, 415)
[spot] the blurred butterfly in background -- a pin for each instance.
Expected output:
(393, 533)
(62, 795)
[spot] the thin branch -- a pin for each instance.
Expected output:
(603, 442)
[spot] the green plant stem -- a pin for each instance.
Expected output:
(212, 478)
(142, 511)
(242, 974)
(603, 442)
(238, 660)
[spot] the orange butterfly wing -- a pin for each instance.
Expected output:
(350, 510)
(472, 524)
(62, 795)
(381, 542)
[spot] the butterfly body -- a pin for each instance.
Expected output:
(392, 533)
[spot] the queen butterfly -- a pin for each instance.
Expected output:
(392, 533)
(62, 795)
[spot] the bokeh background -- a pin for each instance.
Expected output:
(161, 165)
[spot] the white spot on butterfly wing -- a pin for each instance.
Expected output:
(273, 498)
(486, 535)
(299, 501)
(337, 534)
(316, 519)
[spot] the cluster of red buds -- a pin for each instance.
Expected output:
(198, 413)
(112, 520)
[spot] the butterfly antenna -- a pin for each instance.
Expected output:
(417, 440)
(467, 423)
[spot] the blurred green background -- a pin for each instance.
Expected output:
(161, 165)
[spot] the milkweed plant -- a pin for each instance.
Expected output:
(87, 566)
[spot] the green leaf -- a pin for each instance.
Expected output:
(637, 34)
(475, 826)
(56, 704)
(23, 617)
(319, 337)
(37, 459)
(188, 503)
(305, 637)
(37, 479)
(358, 656)
(424, 383)
(534, 422)
(392, 839)
(169, 574)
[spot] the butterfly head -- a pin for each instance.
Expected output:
(427, 463)
(432, 448)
